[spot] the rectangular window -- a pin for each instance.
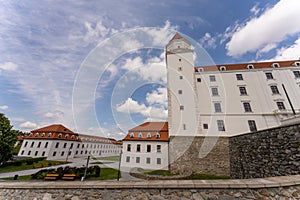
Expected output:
(46, 144)
(26, 144)
(212, 78)
(179, 68)
(128, 159)
(252, 125)
(138, 148)
(57, 144)
(239, 77)
(32, 144)
(214, 91)
(65, 145)
(184, 127)
(205, 126)
(297, 74)
(62, 153)
(180, 77)
(29, 152)
(22, 152)
(128, 147)
(221, 126)
(39, 144)
(247, 107)
(158, 161)
(43, 154)
(198, 79)
(181, 107)
(269, 75)
(148, 160)
(54, 153)
(36, 153)
(71, 147)
(137, 159)
(243, 91)
(158, 148)
(148, 148)
(179, 91)
(280, 105)
(217, 107)
(274, 89)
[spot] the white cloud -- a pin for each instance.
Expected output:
(4, 107)
(289, 53)
(8, 66)
(271, 27)
(131, 106)
(207, 41)
(158, 96)
(28, 125)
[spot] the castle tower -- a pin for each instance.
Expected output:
(181, 87)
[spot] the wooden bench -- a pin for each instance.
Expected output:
(52, 177)
(69, 177)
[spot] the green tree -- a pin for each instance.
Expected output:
(8, 138)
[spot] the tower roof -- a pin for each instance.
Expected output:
(176, 36)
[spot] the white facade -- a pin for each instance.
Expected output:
(227, 100)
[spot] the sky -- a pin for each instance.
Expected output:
(98, 67)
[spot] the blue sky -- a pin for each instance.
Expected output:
(83, 64)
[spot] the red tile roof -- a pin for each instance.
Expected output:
(256, 65)
(149, 131)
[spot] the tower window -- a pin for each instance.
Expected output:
(217, 107)
(269, 75)
(239, 77)
(184, 127)
(247, 107)
(198, 79)
(214, 91)
(179, 59)
(212, 78)
(179, 68)
(180, 77)
(274, 89)
(205, 126)
(252, 125)
(179, 91)
(221, 126)
(297, 74)
(243, 90)
(181, 107)
(280, 105)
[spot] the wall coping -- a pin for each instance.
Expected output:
(280, 181)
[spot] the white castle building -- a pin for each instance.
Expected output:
(229, 99)
(56, 142)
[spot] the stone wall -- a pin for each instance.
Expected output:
(272, 152)
(199, 155)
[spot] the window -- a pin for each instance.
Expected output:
(205, 126)
(71, 147)
(39, 144)
(66, 136)
(250, 66)
(127, 159)
(181, 107)
(148, 148)
(297, 74)
(59, 135)
(158, 161)
(217, 107)
(37, 135)
(46, 144)
(179, 59)
(297, 63)
(36, 153)
(65, 145)
(148, 135)
(22, 152)
(140, 135)
(274, 89)
(275, 65)
(137, 159)
(49, 134)
(128, 147)
(214, 91)
(131, 135)
(43, 154)
(180, 77)
(32, 144)
(179, 68)
(138, 148)
(222, 68)
(179, 91)
(280, 105)
(62, 153)
(54, 153)
(198, 79)
(148, 160)
(220, 124)
(212, 78)
(158, 148)
(157, 135)
(252, 125)
(25, 144)
(269, 75)
(239, 77)
(29, 152)
(243, 91)
(57, 144)
(43, 134)
(247, 107)
(184, 126)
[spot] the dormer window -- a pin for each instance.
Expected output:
(149, 135)
(67, 135)
(200, 69)
(49, 134)
(131, 135)
(250, 66)
(275, 65)
(157, 135)
(140, 135)
(59, 135)
(30, 134)
(37, 135)
(222, 68)
(297, 64)
(72, 137)
(43, 134)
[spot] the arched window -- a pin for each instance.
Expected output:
(132, 135)
(149, 135)
(59, 135)
(43, 134)
(37, 135)
(140, 135)
(49, 134)
(157, 135)
(66, 136)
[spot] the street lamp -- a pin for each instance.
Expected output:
(119, 165)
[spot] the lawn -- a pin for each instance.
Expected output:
(106, 174)
(20, 178)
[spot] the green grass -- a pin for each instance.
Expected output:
(106, 174)
(20, 178)
(160, 172)
(207, 177)
(24, 166)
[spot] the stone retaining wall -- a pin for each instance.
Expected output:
(272, 152)
(269, 188)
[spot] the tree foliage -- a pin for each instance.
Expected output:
(8, 138)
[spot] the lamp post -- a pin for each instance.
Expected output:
(86, 167)
(119, 170)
